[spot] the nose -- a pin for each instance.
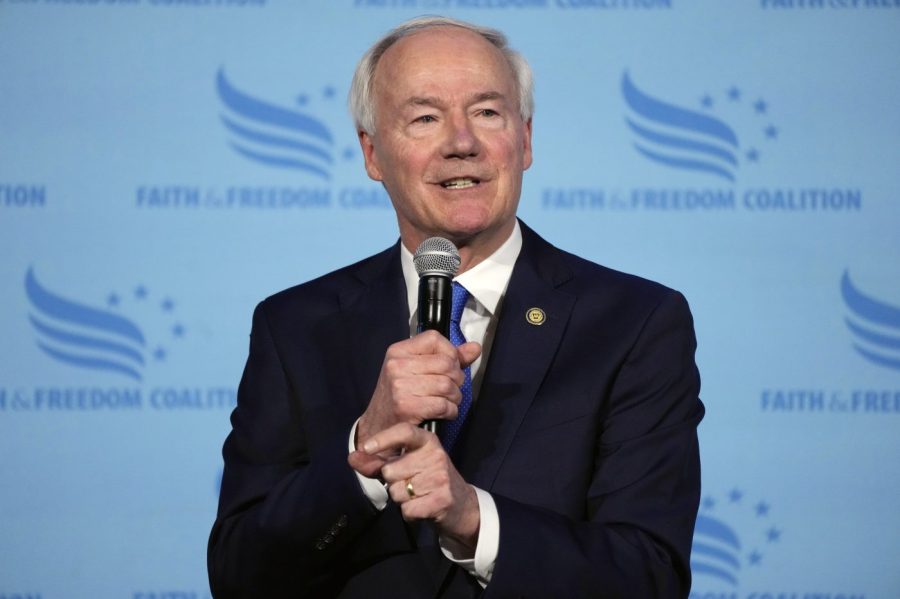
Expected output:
(461, 140)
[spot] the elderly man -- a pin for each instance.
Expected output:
(572, 467)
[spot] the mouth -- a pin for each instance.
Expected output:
(460, 183)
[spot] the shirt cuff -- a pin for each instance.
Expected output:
(373, 488)
(482, 565)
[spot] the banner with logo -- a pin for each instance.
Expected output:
(166, 164)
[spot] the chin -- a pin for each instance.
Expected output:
(466, 225)
(463, 234)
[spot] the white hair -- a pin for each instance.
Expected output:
(362, 103)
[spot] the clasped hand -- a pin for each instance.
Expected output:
(419, 380)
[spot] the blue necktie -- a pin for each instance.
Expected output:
(453, 427)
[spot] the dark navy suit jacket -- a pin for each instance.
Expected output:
(584, 432)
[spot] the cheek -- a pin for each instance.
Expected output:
(408, 166)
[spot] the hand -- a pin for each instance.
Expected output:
(420, 380)
(439, 492)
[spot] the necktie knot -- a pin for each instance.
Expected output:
(460, 297)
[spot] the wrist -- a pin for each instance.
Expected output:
(465, 531)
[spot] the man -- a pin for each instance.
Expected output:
(575, 472)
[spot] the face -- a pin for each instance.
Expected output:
(450, 145)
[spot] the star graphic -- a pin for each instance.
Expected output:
(112, 299)
(709, 503)
(140, 292)
(752, 155)
(707, 101)
(755, 558)
(349, 153)
(178, 330)
(771, 132)
(328, 92)
(734, 94)
(159, 354)
(762, 508)
(302, 99)
(773, 534)
(735, 495)
(167, 305)
(760, 106)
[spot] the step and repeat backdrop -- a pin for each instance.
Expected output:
(166, 164)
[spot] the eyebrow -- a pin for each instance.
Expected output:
(437, 103)
(423, 101)
(484, 96)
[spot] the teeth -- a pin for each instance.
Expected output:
(458, 183)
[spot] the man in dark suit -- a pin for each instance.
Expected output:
(573, 468)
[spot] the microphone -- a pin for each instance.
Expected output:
(436, 260)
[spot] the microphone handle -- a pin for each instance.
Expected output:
(435, 299)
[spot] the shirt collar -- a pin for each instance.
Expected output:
(486, 281)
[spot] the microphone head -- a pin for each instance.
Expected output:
(436, 256)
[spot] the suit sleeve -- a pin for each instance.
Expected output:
(644, 492)
(292, 518)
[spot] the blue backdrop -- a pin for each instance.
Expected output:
(166, 164)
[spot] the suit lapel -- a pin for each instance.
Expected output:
(521, 354)
(375, 315)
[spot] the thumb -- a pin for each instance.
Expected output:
(365, 464)
(468, 353)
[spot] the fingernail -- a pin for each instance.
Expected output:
(370, 446)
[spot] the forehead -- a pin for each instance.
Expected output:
(445, 58)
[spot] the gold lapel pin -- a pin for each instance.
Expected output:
(535, 316)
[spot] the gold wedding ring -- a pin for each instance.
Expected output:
(409, 489)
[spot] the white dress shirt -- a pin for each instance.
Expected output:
(486, 283)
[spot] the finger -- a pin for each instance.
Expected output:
(468, 353)
(431, 364)
(424, 344)
(430, 342)
(440, 364)
(416, 409)
(412, 399)
(425, 478)
(426, 463)
(435, 407)
(422, 507)
(426, 385)
(406, 490)
(413, 484)
(433, 504)
(368, 465)
(400, 436)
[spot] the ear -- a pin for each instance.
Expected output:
(526, 150)
(367, 144)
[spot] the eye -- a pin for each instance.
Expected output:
(425, 119)
(488, 112)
